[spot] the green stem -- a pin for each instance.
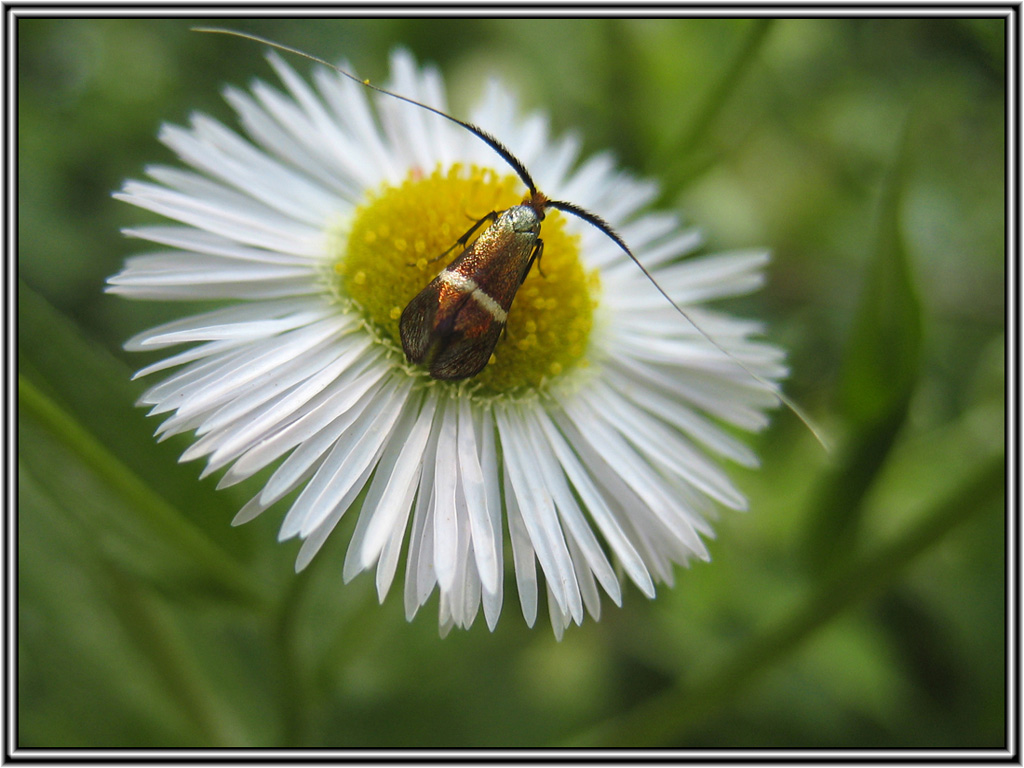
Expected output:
(719, 94)
(690, 155)
(669, 716)
(294, 687)
(161, 642)
(141, 616)
(215, 562)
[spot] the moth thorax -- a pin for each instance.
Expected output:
(524, 219)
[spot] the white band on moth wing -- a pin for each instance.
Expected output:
(462, 283)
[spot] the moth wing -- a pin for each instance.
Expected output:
(466, 355)
(416, 326)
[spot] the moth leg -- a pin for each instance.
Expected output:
(538, 250)
(461, 242)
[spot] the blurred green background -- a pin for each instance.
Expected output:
(859, 604)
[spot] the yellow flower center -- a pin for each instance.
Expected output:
(390, 254)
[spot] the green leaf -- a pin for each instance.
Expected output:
(883, 353)
(880, 370)
(690, 142)
(138, 528)
(118, 672)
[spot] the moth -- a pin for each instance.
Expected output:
(453, 324)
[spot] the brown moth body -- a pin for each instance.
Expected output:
(452, 325)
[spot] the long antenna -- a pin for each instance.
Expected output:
(516, 164)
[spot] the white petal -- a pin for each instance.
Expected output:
(311, 451)
(269, 133)
(598, 509)
(619, 466)
(231, 381)
(585, 578)
(522, 553)
(661, 446)
(220, 211)
(352, 453)
(390, 497)
(569, 513)
(683, 418)
(312, 543)
(215, 349)
(419, 569)
(419, 572)
(269, 419)
(481, 518)
(371, 160)
(489, 468)
(294, 383)
(446, 529)
(538, 512)
(242, 322)
(559, 619)
(715, 396)
(349, 479)
(197, 241)
(222, 154)
(342, 395)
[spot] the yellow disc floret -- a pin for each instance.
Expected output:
(390, 253)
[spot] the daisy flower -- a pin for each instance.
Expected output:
(591, 442)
